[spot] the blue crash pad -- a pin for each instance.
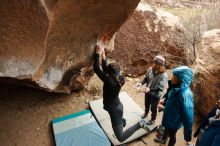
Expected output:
(79, 129)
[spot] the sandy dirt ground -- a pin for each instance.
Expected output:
(26, 113)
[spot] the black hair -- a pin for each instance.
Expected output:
(114, 70)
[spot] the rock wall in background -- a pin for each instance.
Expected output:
(147, 33)
(206, 85)
(49, 43)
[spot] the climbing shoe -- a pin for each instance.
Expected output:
(143, 124)
(160, 140)
(151, 122)
(144, 115)
(124, 122)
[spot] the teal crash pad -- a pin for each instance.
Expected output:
(79, 129)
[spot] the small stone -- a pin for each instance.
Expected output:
(129, 79)
(136, 79)
(96, 97)
(87, 101)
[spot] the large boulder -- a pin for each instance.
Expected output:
(148, 32)
(49, 43)
(207, 72)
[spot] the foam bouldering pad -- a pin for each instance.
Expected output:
(79, 129)
(132, 114)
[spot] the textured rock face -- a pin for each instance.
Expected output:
(49, 43)
(207, 72)
(145, 35)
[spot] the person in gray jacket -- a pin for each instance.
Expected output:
(155, 79)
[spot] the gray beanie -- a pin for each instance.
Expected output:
(159, 60)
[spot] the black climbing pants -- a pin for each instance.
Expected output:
(117, 124)
(151, 101)
(172, 134)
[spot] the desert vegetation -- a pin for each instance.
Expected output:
(197, 18)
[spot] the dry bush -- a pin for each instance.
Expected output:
(196, 21)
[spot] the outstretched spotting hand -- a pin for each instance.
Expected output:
(162, 101)
(160, 107)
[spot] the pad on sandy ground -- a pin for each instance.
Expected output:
(132, 114)
(79, 129)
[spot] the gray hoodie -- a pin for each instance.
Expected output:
(156, 82)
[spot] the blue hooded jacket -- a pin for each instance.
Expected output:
(179, 109)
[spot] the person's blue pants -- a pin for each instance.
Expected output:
(211, 137)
